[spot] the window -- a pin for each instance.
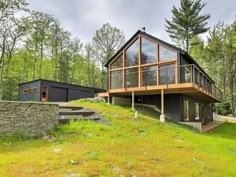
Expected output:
(186, 110)
(32, 90)
(148, 52)
(149, 76)
(167, 74)
(196, 76)
(116, 79)
(131, 54)
(196, 111)
(131, 76)
(118, 63)
(201, 81)
(25, 91)
(166, 54)
(187, 74)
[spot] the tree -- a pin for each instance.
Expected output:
(11, 30)
(39, 24)
(187, 22)
(106, 41)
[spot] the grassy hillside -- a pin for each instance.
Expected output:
(127, 147)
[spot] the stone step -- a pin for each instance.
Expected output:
(70, 107)
(67, 119)
(82, 113)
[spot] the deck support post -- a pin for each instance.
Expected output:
(162, 116)
(133, 101)
(108, 98)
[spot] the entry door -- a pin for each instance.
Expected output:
(44, 94)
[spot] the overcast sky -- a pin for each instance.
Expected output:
(83, 17)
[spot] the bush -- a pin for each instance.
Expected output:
(223, 108)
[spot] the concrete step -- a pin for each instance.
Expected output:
(70, 107)
(82, 113)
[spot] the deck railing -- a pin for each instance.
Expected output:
(192, 74)
(150, 76)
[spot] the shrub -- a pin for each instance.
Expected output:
(223, 108)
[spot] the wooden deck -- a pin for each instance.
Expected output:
(184, 88)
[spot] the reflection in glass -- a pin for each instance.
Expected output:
(149, 76)
(131, 77)
(167, 74)
(116, 79)
(148, 51)
(166, 54)
(186, 110)
(131, 54)
(187, 74)
(196, 111)
(117, 63)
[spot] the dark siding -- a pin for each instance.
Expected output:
(57, 94)
(29, 96)
(172, 104)
(78, 94)
(66, 92)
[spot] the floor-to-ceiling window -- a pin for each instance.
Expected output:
(167, 74)
(116, 73)
(196, 111)
(143, 63)
(186, 110)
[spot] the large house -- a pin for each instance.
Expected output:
(147, 70)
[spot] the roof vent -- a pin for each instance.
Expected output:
(144, 28)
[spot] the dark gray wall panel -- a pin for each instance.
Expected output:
(78, 94)
(29, 96)
(57, 94)
(172, 104)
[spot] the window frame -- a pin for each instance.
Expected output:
(171, 59)
(140, 66)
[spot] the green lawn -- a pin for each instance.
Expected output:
(128, 147)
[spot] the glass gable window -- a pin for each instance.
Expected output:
(167, 74)
(149, 76)
(116, 79)
(131, 54)
(166, 54)
(118, 63)
(148, 52)
(131, 77)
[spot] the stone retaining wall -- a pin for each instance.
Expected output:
(224, 118)
(32, 119)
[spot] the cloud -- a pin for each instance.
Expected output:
(83, 18)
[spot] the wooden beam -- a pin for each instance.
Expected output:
(123, 69)
(139, 62)
(108, 98)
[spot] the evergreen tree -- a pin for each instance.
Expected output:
(187, 22)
